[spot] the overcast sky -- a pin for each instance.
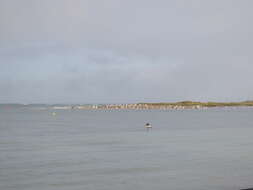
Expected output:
(111, 51)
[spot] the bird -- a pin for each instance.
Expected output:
(148, 126)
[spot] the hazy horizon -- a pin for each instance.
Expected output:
(115, 51)
(101, 103)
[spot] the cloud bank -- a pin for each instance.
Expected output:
(79, 51)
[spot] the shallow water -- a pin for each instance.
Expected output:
(99, 150)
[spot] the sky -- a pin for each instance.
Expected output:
(118, 51)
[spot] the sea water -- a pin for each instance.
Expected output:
(111, 150)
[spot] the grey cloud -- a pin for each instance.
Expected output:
(85, 51)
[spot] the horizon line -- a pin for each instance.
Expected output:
(140, 102)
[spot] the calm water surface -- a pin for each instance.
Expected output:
(110, 150)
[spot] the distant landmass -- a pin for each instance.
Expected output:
(203, 104)
(145, 105)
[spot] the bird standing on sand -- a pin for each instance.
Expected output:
(148, 126)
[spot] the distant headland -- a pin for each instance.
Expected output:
(138, 106)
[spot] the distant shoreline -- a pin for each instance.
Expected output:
(139, 106)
